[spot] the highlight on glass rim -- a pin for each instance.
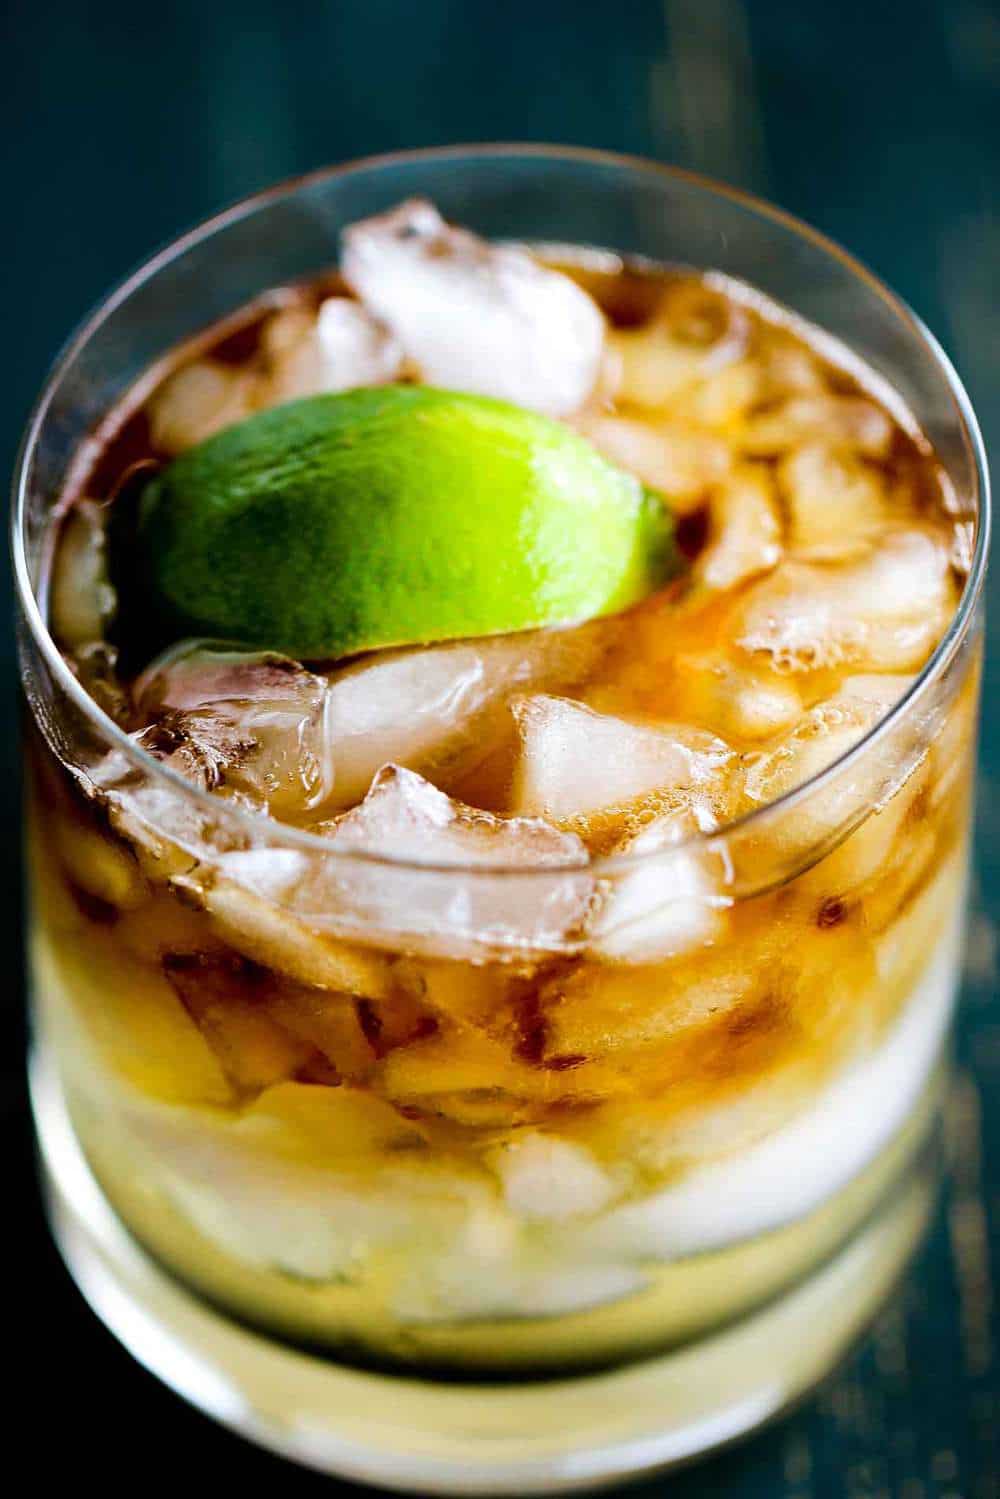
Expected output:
(501, 727)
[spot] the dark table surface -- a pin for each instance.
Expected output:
(877, 121)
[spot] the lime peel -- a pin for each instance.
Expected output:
(394, 516)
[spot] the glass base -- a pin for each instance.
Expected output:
(407, 1434)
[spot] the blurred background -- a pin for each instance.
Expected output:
(878, 122)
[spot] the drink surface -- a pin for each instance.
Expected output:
(543, 1048)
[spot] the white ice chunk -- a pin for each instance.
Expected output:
(339, 348)
(547, 1178)
(489, 883)
(672, 899)
(574, 761)
(884, 611)
(441, 708)
(475, 316)
(357, 349)
(242, 722)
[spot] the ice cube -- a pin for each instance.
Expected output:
(285, 331)
(244, 723)
(404, 817)
(167, 831)
(621, 1022)
(882, 612)
(682, 464)
(694, 334)
(464, 1074)
(787, 369)
(291, 357)
(833, 500)
(826, 733)
(197, 401)
(723, 399)
(891, 778)
(273, 1212)
(574, 761)
(490, 884)
(95, 863)
(83, 599)
(441, 710)
(740, 702)
(249, 895)
(670, 901)
(755, 705)
(882, 690)
(547, 1178)
(745, 529)
(339, 348)
(226, 998)
(456, 1286)
(475, 316)
(848, 421)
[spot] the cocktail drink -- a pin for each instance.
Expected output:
(500, 779)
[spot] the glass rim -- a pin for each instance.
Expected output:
(258, 823)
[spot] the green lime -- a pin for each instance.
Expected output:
(395, 516)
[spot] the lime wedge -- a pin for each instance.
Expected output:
(396, 516)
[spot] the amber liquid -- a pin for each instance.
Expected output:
(333, 1135)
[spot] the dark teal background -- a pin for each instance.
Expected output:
(122, 123)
